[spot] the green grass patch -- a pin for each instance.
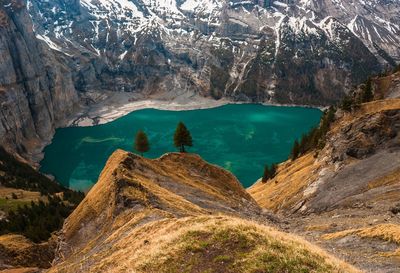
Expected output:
(8, 205)
(233, 250)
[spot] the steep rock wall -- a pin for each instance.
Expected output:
(36, 90)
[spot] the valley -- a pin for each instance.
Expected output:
(83, 53)
(240, 138)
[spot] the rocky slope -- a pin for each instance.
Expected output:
(307, 52)
(177, 214)
(36, 90)
(345, 196)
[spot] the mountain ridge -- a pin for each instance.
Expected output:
(212, 40)
(141, 216)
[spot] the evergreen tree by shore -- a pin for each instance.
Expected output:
(269, 172)
(182, 137)
(141, 142)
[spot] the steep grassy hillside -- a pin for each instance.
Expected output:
(348, 191)
(178, 214)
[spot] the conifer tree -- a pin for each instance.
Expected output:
(347, 103)
(182, 137)
(273, 170)
(269, 172)
(295, 150)
(266, 174)
(141, 142)
(367, 94)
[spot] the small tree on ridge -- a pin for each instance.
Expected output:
(141, 142)
(182, 137)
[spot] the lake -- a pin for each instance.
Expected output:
(241, 138)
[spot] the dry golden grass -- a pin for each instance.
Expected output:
(135, 190)
(368, 108)
(139, 218)
(18, 251)
(177, 245)
(285, 189)
(21, 270)
(386, 232)
(7, 202)
(395, 253)
(320, 227)
(15, 242)
(21, 194)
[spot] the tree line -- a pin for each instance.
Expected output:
(316, 137)
(38, 220)
(182, 138)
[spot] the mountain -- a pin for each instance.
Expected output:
(32, 207)
(346, 196)
(304, 52)
(62, 58)
(177, 214)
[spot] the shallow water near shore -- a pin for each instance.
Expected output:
(241, 138)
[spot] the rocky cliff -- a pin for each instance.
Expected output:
(177, 214)
(36, 90)
(304, 52)
(346, 195)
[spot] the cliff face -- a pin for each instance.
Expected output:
(349, 191)
(299, 52)
(36, 90)
(177, 214)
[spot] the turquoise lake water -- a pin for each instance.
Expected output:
(241, 138)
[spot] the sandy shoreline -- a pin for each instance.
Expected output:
(101, 114)
(119, 105)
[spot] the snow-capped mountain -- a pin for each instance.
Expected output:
(297, 51)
